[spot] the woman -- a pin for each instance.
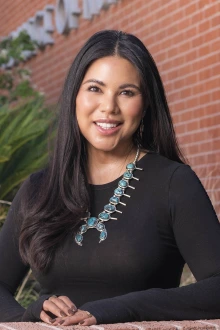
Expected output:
(117, 178)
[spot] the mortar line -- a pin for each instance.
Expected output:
(204, 105)
(209, 323)
(178, 327)
(49, 326)
(97, 327)
(136, 326)
(205, 129)
(196, 119)
(7, 327)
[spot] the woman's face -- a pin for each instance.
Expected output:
(109, 105)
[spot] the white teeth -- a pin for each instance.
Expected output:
(106, 125)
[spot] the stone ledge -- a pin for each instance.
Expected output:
(162, 325)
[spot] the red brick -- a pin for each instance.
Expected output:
(212, 9)
(215, 97)
(189, 10)
(204, 26)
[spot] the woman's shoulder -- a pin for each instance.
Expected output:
(38, 176)
(154, 160)
(162, 170)
(30, 186)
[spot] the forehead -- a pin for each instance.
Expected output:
(113, 68)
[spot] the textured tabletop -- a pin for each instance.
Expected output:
(171, 325)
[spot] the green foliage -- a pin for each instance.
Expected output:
(6, 81)
(29, 294)
(23, 89)
(23, 142)
(14, 83)
(13, 48)
(3, 212)
(24, 120)
(25, 125)
(28, 291)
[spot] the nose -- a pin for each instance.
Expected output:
(109, 104)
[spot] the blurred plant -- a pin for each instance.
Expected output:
(28, 291)
(23, 143)
(4, 207)
(24, 132)
(14, 82)
(16, 48)
(24, 120)
(25, 125)
(187, 276)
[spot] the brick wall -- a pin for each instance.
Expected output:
(183, 37)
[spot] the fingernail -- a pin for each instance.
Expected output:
(61, 322)
(75, 309)
(52, 320)
(62, 313)
(71, 311)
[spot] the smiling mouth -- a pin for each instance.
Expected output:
(107, 126)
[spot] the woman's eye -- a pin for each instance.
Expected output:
(94, 89)
(127, 92)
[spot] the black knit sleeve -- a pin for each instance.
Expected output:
(197, 233)
(13, 270)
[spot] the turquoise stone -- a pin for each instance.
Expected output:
(92, 222)
(130, 166)
(104, 216)
(100, 226)
(78, 238)
(109, 208)
(83, 229)
(103, 235)
(114, 200)
(123, 184)
(118, 192)
(128, 175)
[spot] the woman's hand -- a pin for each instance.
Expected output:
(65, 312)
(80, 317)
(58, 306)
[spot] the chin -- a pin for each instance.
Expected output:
(110, 147)
(103, 147)
(106, 149)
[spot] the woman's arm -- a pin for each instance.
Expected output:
(13, 270)
(197, 234)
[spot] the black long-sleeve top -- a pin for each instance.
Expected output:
(134, 274)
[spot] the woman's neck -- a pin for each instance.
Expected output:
(104, 167)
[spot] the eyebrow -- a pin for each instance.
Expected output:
(101, 83)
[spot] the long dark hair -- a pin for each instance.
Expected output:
(58, 197)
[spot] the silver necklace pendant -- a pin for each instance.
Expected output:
(105, 215)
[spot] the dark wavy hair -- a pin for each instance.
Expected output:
(58, 197)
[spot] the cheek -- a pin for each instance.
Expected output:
(135, 110)
(82, 103)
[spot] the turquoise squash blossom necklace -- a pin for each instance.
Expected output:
(99, 222)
